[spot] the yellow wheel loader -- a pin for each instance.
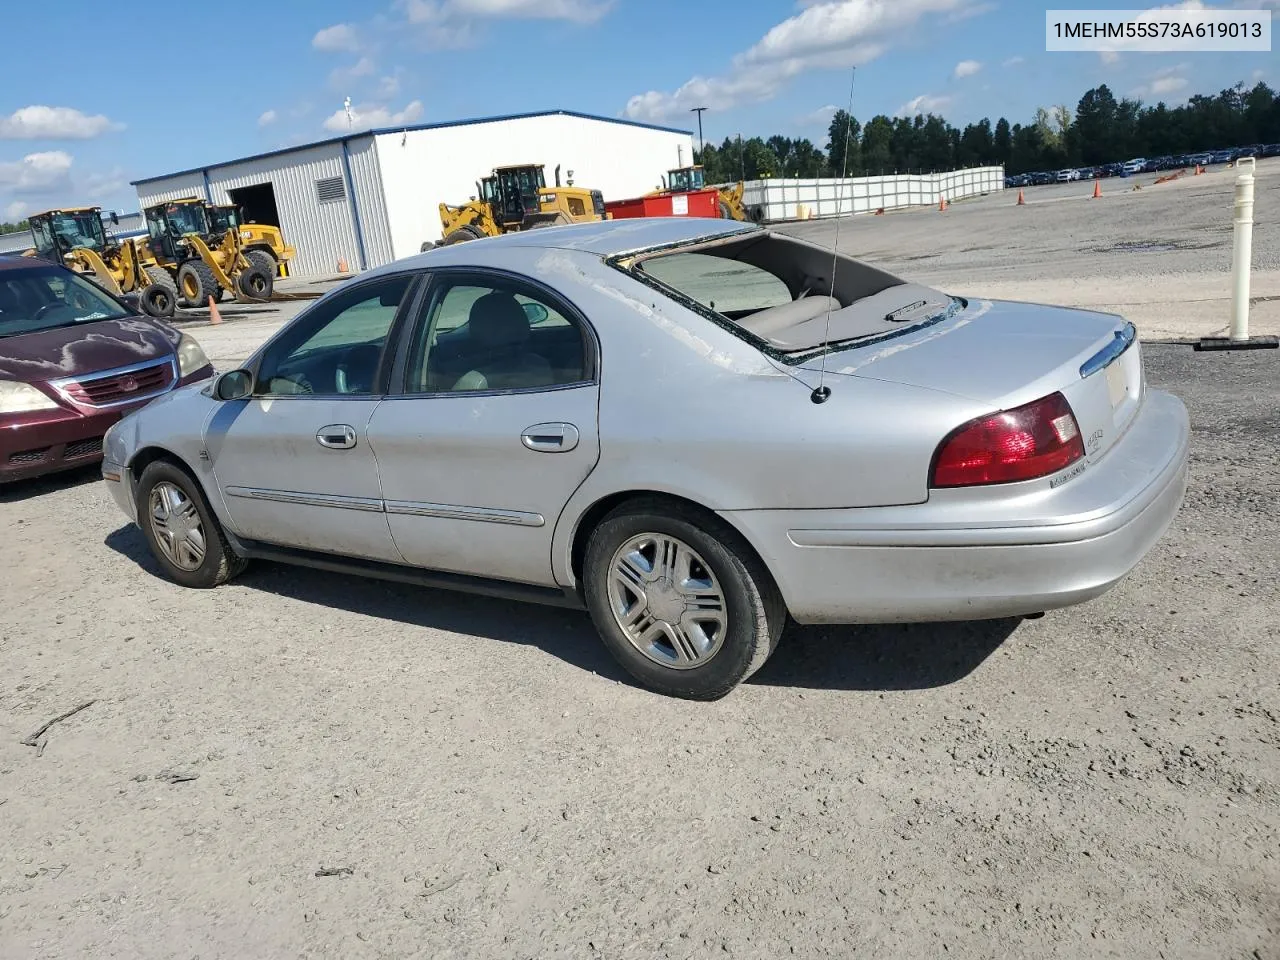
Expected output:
(203, 264)
(77, 238)
(263, 244)
(687, 179)
(518, 198)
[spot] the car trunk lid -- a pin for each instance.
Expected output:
(1007, 354)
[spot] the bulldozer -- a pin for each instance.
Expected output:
(77, 238)
(263, 243)
(518, 198)
(686, 179)
(203, 262)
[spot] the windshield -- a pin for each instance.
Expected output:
(686, 178)
(186, 218)
(223, 218)
(78, 230)
(42, 298)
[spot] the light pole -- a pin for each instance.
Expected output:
(698, 111)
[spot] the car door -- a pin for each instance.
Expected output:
(495, 427)
(293, 461)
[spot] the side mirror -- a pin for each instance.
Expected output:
(115, 218)
(233, 385)
(133, 300)
(536, 312)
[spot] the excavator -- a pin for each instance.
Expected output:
(202, 262)
(688, 179)
(77, 238)
(263, 243)
(517, 198)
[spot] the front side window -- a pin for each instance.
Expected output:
(494, 335)
(186, 218)
(42, 298)
(337, 347)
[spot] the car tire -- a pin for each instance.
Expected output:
(196, 284)
(719, 566)
(166, 487)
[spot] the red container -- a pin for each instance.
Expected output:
(695, 203)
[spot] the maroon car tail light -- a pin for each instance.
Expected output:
(1024, 443)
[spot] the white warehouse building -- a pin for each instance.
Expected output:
(372, 197)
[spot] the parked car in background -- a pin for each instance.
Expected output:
(469, 418)
(73, 360)
(1130, 167)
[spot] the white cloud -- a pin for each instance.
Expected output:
(1166, 85)
(388, 87)
(267, 118)
(37, 173)
(54, 123)
(836, 34)
(339, 37)
(1164, 82)
(1108, 56)
(1259, 74)
(1015, 61)
(818, 118)
(16, 210)
(924, 103)
(453, 23)
(368, 116)
(967, 68)
(344, 76)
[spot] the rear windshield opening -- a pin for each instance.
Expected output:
(779, 289)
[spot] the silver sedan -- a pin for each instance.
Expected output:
(693, 428)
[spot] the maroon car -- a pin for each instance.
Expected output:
(73, 361)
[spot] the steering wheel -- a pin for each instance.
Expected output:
(357, 369)
(48, 308)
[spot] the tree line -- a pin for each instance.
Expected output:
(1101, 130)
(18, 227)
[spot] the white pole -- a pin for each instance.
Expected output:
(1242, 252)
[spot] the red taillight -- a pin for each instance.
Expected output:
(1020, 444)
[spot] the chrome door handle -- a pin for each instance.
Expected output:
(550, 437)
(337, 436)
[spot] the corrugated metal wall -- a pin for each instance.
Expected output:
(423, 168)
(170, 188)
(324, 233)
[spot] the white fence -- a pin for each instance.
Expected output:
(771, 200)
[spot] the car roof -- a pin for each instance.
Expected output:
(609, 238)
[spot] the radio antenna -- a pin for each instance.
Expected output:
(822, 391)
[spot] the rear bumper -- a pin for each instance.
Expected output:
(1029, 552)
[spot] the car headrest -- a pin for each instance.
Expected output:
(498, 320)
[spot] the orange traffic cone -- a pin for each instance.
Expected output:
(342, 264)
(1021, 200)
(1199, 170)
(214, 315)
(1097, 189)
(942, 204)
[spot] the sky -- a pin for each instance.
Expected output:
(87, 103)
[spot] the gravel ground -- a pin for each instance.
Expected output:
(299, 765)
